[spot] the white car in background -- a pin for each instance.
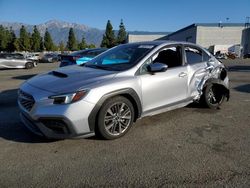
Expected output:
(33, 56)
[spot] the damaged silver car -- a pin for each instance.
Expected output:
(16, 61)
(110, 92)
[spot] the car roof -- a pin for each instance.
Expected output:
(162, 42)
(165, 42)
(11, 54)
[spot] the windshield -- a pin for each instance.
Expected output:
(121, 57)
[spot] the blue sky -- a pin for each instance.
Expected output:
(143, 15)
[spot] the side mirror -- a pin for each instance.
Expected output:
(157, 67)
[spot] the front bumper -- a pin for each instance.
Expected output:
(55, 121)
(56, 129)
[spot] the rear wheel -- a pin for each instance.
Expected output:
(115, 117)
(29, 65)
(212, 97)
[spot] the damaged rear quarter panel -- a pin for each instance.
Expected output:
(204, 73)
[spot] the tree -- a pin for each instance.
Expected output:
(35, 40)
(4, 37)
(108, 40)
(72, 43)
(17, 45)
(91, 46)
(82, 45)
(122, 35)
(48, 42)
(55, 48)
(24, 39)
(11, 40)
(41, 44)
(61, 46)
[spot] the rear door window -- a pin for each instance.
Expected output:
(193, 55)
(18, 56)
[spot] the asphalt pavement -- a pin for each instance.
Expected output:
(191, 146)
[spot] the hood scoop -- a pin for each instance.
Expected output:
(59, 74)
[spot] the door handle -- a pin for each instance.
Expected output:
(182, 74)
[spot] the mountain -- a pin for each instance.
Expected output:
(148, 33)
(59, 31)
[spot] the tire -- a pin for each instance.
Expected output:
(115, 118)
(29, 65)
(53, 61)
(212, 96)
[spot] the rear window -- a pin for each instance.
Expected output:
(95, 53)
(50, 55)
(80, 53)
(91, 54)
(87, 53)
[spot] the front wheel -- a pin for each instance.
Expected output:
(115, 118)
(212, 97)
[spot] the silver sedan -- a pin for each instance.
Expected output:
(110, 92)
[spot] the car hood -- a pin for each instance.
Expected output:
(70, 78)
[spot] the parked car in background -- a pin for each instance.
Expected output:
(33, 56)
(246, 56)
(113, 90)
(15, 60)
(221, 56)
(50, 58)
(80, 57)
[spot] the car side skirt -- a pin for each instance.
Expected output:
(167, 107)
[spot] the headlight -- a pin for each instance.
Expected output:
(69, 97)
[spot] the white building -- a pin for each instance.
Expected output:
(209, 35)
(147, 36)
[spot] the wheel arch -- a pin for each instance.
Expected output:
(219, 83)
(29, 62)
(128, 93)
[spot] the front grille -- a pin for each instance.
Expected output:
(26, 100)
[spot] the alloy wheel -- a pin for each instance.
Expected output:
(211, 96)
(117, 119)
